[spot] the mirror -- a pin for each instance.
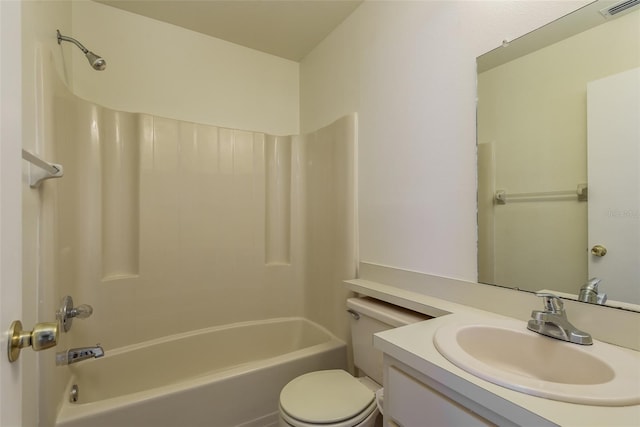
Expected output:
(548, 144)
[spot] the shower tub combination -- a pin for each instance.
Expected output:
(216, 377)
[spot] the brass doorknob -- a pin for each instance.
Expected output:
(598, 250)
(44, 335)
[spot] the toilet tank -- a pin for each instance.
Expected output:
(375, 316)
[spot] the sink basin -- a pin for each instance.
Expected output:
(506, 353)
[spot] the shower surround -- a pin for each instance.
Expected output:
(166, 226)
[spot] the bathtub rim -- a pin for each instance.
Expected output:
(180, 335)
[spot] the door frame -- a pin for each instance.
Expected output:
(10, 204)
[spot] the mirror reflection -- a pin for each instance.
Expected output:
(558, 159)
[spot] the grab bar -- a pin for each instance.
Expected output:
(45, 169)
(581, 192)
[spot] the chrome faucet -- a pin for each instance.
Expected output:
(76, 355)
(553, 322)
(589, 292)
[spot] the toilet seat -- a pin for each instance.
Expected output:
(330, 398)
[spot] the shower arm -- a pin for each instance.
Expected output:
(96, 62)
(72, 40)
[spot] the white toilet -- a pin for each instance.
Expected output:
(334, 398)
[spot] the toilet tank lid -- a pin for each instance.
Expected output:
(385, 312)
(325, 397)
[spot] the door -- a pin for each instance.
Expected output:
(613, 132)
(10, 206)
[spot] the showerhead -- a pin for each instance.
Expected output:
(97, 62)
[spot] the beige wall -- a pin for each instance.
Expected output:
(11, 387)
(533, 111)
(160, 69)
(408, 69)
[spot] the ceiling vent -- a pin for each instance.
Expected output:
(618, 8)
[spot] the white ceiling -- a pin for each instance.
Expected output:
(286, 28)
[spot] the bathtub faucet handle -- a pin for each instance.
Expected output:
(82, 311)
(67, 312)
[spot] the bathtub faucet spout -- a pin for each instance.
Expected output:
(75, 355)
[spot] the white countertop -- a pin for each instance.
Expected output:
(413, 346)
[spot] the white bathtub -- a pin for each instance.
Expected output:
(215, 377)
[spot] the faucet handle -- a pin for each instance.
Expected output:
(602, 299)
(552, 303)
(82, 311)
(67, 312)
(592, 283)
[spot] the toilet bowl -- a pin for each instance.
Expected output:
(335, 398)
(332, 398)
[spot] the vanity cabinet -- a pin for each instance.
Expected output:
(413, 403)
(412, 399)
